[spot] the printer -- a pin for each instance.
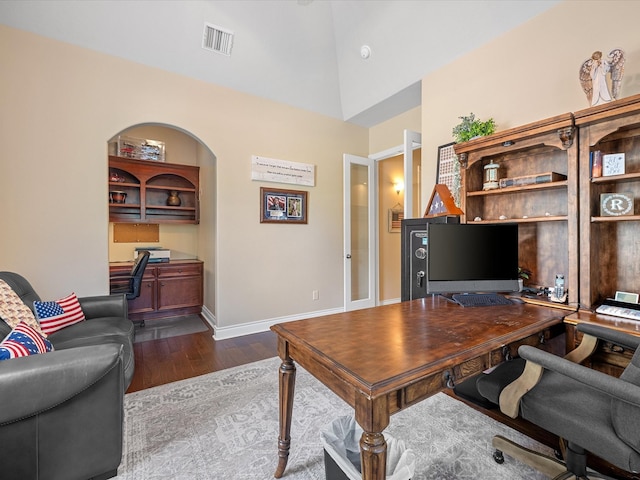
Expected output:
(157, 254)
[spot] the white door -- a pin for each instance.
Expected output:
(361, 219)
(360, 224)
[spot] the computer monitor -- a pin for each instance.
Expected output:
(472, 258)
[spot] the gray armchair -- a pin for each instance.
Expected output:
(591, 411)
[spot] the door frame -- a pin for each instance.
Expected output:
(412, 141)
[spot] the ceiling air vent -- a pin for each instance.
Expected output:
(217, 39)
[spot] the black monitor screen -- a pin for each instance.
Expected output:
(466, 258)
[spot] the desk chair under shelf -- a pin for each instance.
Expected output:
(590, 410)
(131, 288)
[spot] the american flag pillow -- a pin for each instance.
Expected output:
(23, 341)
(59, 314)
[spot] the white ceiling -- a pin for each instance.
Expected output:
(305, 53)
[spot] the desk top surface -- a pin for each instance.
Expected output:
(377, 349)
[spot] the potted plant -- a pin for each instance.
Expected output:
(470, 127)
(523, 274)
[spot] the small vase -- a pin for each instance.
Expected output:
(174, 199)
(116, 196)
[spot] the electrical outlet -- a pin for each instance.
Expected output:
(315, 294)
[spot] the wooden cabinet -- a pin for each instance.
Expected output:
(168, 289)
(546, 213)
(609, 245)
(147, 186)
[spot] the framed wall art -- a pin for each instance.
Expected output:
(283, 206)
(448, 172)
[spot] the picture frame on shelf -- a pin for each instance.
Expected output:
(279, 205)
(627, 297)
(612, 164)
(448, 170)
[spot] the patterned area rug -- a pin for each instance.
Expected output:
(224, 425)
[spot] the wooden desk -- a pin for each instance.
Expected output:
(168, 288)
(384, 359)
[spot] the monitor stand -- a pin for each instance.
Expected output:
(448, 297)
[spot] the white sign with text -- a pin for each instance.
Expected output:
(282, 171)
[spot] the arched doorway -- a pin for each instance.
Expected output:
(185, 241)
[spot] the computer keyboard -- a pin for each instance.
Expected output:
(480, 299)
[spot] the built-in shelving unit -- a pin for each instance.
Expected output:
(609, 245)
(546, 213)
(147, 186)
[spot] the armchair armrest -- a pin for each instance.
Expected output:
(33, 384)
(105, 306)
(538, 360)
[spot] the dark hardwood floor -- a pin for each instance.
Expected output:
(176, 358)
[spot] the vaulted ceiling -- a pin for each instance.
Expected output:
(305, 53)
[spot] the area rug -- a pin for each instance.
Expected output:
(169, 327)
(224, 426)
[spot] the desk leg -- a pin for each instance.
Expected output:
(373, 448)
(286, 388)
(373, 417)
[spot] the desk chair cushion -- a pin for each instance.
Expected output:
(490, 386)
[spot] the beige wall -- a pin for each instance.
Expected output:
(60, 106)
(389, 171)
(528, 74)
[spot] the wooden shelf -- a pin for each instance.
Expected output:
(549, 218)
(148, 185)
(627, 177)
(622, 218)
(502, 191)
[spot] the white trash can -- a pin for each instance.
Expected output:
(341, 442)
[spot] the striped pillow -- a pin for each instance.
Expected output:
(54, 316)
(23, 341)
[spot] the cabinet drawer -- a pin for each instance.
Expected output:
(179, 292)
(179, 270)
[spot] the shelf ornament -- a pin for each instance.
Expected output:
(442, 203)
(593, 76)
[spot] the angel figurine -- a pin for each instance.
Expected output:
(593, 76)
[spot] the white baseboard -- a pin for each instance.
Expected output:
(222, 333)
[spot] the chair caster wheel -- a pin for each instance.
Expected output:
(498, 457)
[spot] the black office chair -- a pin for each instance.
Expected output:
(133, 280)
(589, 410)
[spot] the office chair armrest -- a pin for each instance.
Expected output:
(612, 386)
(539, 360)
(105, 306)
(610, 335)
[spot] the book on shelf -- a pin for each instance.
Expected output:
(546, 177)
